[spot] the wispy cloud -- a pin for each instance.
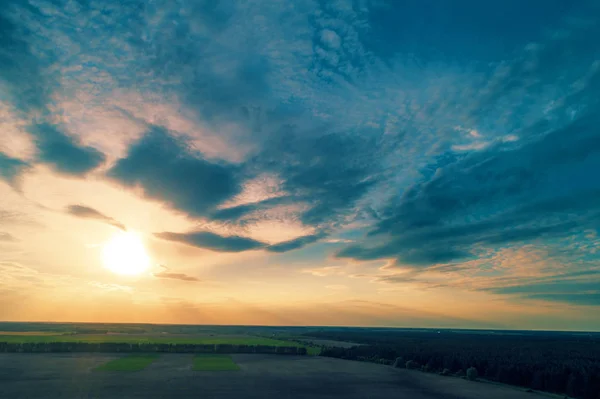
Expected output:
(10, 168)
(325, 271)
(7, 237)
(86, 212)
(167, 274)
(213, 241)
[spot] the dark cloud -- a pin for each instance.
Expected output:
(174, 276)
(583, 298)
(169, 171)
(11, 168)
(212, 241)
(576, 292)
(504, 194)
(219, 243)
(24, 75)
(552, 287)
(296, 243)
(29, 82)
(320, 165)
(62, 152)
(7, 237)
(90, 213)
(238, 212)
(328, 172)
(217, 79)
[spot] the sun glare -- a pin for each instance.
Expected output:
(125, 254)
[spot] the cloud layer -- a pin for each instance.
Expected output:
(320, 135)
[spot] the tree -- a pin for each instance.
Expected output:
(412, 365)
(472, 374)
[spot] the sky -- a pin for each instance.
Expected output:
(366, 163)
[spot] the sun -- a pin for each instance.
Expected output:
(125, 254)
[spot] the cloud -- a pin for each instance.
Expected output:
(238, 212)
(336, 287)
(325, 271)
(212, 241)
(577, 292)
(330, 38)
(111, 287)
(7, 237)
(11, 168)
(439, 149)
(262, 95)
(586, 299)
(296, 243)
(339, 173)
(26, 75)
(86, 212)
(169, 171)
(22, 73)
(220, 243)
(338, 241)
(62, 152)
(498, 196)
(175, 276)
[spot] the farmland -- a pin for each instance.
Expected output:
(540, 361)
(76, 375)
(129, 363)
(103, 337)
(214, 363)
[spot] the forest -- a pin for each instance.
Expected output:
(563, 363)
(111, 347)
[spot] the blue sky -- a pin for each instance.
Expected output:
(439, 159)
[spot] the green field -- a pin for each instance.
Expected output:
(128, 363)
(92, 338)
(214, 363)
(313, 351)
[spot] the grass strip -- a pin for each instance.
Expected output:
(135, 362)
(214, 363)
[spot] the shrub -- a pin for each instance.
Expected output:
(399, 363)
(412, 365)
(446, 372)
(472, 373)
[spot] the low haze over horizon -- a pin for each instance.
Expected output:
(364, 163)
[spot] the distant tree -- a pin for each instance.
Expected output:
(446, 372)
(412, 365)
(472, 373)
(399, 363)
(574, 384)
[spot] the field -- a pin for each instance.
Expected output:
(214, 363)
(128, 363)
(557, 362)
(74, 375)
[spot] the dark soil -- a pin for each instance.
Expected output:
(56, 375)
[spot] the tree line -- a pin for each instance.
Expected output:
(66, 347)
(565, 365)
